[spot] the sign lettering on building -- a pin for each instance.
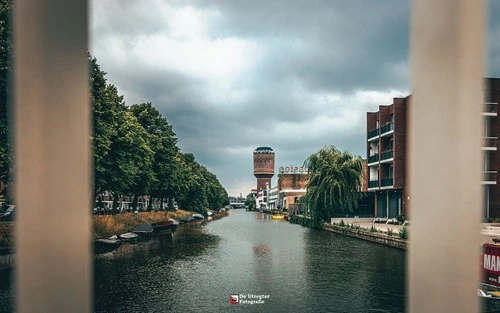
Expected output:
(293, 170)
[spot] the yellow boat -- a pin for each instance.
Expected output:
(278, 217)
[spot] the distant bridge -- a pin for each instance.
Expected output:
(237, 204)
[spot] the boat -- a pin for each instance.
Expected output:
(106, 245)
(167, 226)
(198, 216)
(143, 230)
(128, 237)
(278, 216)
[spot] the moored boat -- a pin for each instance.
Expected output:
(278, 216)
(128, 237)
(106, 245)
(198, 216)
(167, 226)
(143, 230)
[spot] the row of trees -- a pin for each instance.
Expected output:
(135, 153)
(5, 73)
(134, 148)
(334, 186)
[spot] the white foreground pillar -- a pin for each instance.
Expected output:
(447, 64)
(52, 155)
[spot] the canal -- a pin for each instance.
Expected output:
(246, 253)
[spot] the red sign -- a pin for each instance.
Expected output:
(490, 264)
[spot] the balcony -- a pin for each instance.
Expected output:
(490, 109)
(373, 133)
(489, 178)
(386, 129)
(386, 182)
(373, 183)
(386, 155)
(489, 143)
(373, 158)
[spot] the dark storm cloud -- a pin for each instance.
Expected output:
(315, 69)
(330, 45)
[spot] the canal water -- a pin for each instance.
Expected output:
(296, 269)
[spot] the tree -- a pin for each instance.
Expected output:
(334, 183)
(129, 160)
(5, 77)
(164, 145)
(106, 108)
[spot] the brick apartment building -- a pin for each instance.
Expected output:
(387, 149)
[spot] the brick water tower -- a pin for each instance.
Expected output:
(263, 166)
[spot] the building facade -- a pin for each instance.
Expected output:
(386, 148)
(292, 182)
(491, 164)
(386, 151)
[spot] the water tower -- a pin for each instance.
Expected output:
(263, 166)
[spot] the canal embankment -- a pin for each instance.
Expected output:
(389, 235)
(371, 234)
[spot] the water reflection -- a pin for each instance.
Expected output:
(301, 269)
(354, 274)
(6, 291)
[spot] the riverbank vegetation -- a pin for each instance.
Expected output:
(108, 225)
(334, 183)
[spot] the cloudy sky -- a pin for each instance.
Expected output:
(232, 75)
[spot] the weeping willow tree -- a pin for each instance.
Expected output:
(334, 183)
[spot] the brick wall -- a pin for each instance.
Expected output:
(292, 181)
(399, 148)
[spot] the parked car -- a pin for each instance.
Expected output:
(9, 214)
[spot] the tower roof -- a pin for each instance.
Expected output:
(264, 150)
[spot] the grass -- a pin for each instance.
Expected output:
(108, 225)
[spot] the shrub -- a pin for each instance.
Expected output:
(390, 232)
(342, 224)
(403, 233)
(373, 229)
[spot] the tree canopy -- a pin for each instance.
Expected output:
(5, 75)
(135, 153)
(334, 183)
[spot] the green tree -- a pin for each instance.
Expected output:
(106, 109)
(334, 183)
(200, 189)
(164, 145)
(250, 202)
(5, 77)
(129, 160)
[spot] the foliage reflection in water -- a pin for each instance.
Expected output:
(301, 269)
